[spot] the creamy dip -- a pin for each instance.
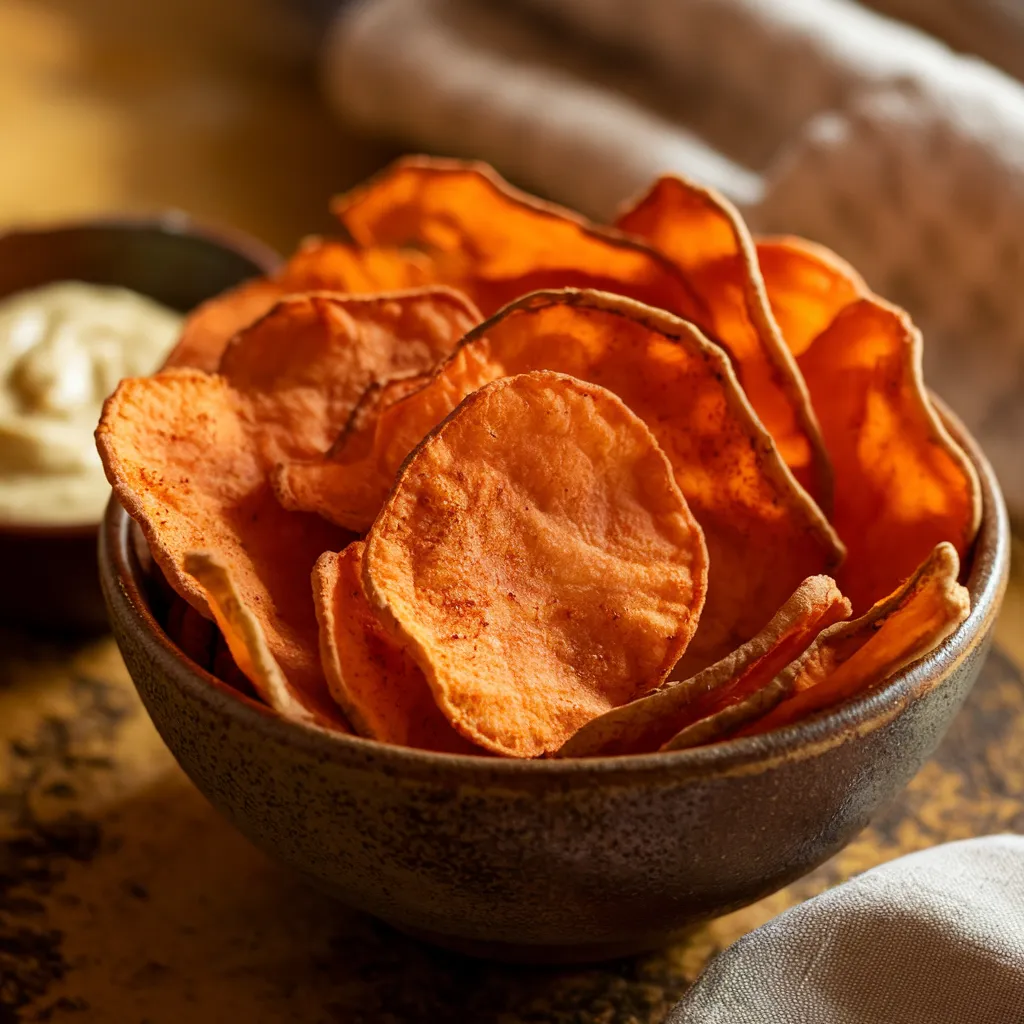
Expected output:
(63, 349)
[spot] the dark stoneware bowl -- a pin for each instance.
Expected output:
(551, 860)
(169, 259)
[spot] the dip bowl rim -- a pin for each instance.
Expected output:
(986, 582)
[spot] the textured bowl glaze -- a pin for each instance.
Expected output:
(169, 259)
(552, 860)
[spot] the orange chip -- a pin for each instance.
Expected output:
(539, 561)
(807, 286)
(242, 628)
(497, 243)
(902, 483)
(305, 365)
(182, 460)
(764, 535)
(646, 724)
(381, 689)
(189, 454)
(209, 327)
(704, 235)
(319, 265)
(853, 657)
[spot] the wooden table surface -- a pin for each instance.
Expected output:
(124, 899)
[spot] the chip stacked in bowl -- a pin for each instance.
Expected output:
(482, 477)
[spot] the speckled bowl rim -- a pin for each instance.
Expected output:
(170, 222)
(748, 755)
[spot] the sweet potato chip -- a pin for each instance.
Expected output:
(645, 724)
(243, 631)
(209, 327)
(702, 233)
(182, 459)
(305, 365)
(764, 535)
(497, 243)
(851, 658)
(382, 690)
(539, 560)
(319, 265)
(807, 286)
(902, 483)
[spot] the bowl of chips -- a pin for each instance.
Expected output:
(69, 279)
(545, 588)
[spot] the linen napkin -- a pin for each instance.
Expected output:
(816, 117)
(935, 937)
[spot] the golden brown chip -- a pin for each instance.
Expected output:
(497, 243)
(902, 483)
(243, 631)
(851, 658)
(703, 234)
(645, 724)
(807, 286)
(382, 690)
(539, 560)
(764, 535)
(319, 265)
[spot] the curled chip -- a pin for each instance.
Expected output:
(189, 454)
(648, 723)
(807, 286)
(538, 560)
(317, 266)
(703, 234)
(382, 690)
(764, 534)
(497, 243)
(853, 657)
(185, 465)
(243, 631)
(902, 483)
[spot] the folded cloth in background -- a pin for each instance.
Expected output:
(932, 938)
(816, 117)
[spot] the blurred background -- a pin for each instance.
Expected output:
(892, 132)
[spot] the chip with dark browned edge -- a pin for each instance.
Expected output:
(702, 233)
(903, 485)
(538, 561)
(497, 244)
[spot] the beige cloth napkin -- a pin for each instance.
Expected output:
(932, 938)
(817, 117)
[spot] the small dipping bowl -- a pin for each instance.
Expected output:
(552, 860)
(49, 571)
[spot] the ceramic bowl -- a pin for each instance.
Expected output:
(550, 860)
(169, 259)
